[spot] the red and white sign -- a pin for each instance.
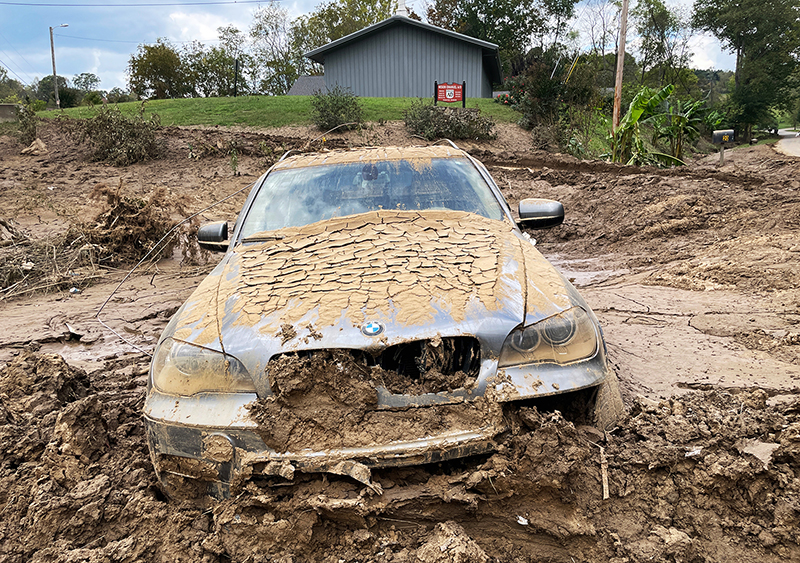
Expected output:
(450, 93)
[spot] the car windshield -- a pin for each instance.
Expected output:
(299, 196)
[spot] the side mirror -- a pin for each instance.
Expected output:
(213, 236)
(540, 213)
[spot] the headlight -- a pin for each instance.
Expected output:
(567, 337)
(180, 368)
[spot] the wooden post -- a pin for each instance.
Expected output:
(236, 78)
(435, 92)
(464, 94)
(623, 28)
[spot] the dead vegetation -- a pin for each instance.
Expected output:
(124, 230)
(437, 122)
(116, 138)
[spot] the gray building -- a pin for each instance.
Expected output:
(401, 57)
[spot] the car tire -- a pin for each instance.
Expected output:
(608, 406)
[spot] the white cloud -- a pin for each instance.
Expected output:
(201, 27)
(707, 53)
(193, 27)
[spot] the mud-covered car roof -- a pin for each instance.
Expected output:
(372, 154)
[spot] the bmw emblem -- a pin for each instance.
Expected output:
(372, 328)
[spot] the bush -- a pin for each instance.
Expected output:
(338, 107)
(543, 93)
(433, 122)
(118, 139)
(37, 105)
(92, 99)
(27, 124)
(516, 91)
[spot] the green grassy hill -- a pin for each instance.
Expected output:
(270, 111)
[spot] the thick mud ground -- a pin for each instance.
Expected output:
(694, 274)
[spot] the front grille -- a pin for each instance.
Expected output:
(412, 368)
(447, 356)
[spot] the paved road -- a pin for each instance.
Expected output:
(789, 143)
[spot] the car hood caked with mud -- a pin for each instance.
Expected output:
(374, 307)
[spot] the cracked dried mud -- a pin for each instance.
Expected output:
(692, 272)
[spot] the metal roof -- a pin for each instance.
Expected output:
(491, 55)
(307, 86)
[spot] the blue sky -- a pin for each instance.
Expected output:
(101, 39)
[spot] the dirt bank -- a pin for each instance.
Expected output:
(692, 272)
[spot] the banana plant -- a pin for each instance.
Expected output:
(627, 145)
(680, 124)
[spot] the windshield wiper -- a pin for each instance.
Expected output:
(262, 237)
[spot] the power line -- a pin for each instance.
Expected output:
(30, 66)
(14, 73)
(140, 5)
(13, 62)
(133, 42)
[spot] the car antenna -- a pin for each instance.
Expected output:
(146, 256)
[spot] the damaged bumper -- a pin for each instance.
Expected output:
(225, 458)
(212, 439)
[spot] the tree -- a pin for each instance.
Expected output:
(157, 71)
(44, 88)
(663, 40)
(600, 25)
(556, 14)
(86, 81)
(10, 89)
(513, 25)
(272, 48)
(510, 24)
(765, 37)
(343, 17)
(333, 20)
(306, 34)
(118, 95)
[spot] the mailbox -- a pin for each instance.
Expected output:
(722, 136)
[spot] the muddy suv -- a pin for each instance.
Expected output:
(374, 307)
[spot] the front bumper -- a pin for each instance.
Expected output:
(211, 438)
(225, 458)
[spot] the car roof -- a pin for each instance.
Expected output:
(371, 154)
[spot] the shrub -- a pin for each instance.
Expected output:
(38, 105)
(118, 139)
(27, 124)
(544, 92)
(339, 106)
(433, 122)
(516, 91)
(92, 99)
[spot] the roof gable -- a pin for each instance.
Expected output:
(491, 57)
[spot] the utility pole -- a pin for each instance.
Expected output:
(623, 28)
(53, 56)
(236, 77)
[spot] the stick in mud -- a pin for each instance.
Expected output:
(604, 471)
